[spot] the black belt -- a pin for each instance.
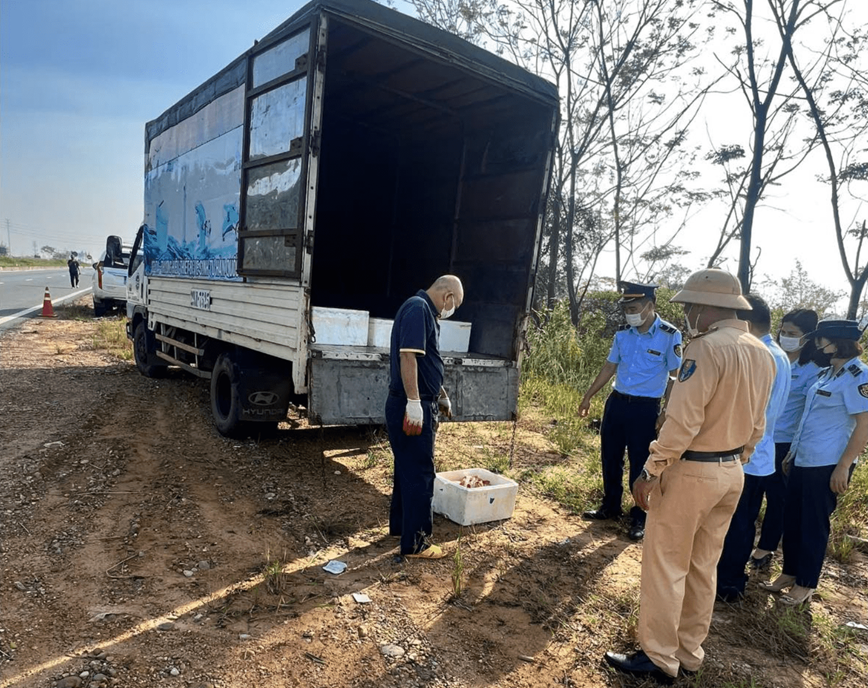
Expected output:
(636, 400)
(716, 457)
(402, 395)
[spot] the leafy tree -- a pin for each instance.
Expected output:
(797, 290)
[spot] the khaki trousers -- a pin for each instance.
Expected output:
(689, 512)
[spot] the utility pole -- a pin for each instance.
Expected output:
(8, 237)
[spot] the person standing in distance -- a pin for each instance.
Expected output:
(644, 357)
(74, 270)
(692, 480)
(415, 392)
(737, 546)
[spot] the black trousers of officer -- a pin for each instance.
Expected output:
(628, 422)
(410, 514)
(775, 488)
(738, 543)
(810, 503)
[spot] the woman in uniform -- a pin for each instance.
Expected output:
(800, 349)
(831, 435)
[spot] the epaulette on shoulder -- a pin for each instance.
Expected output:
(854, 369)
(623, 327)
(668, 327)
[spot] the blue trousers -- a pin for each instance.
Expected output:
(810, 503)
(627, 424)
(738, 543)
(411, 515)
(775, 487)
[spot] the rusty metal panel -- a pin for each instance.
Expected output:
(354, 392)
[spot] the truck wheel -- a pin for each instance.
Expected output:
(226, 398)
(142, 347)
(99, 309)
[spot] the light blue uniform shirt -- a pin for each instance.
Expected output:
(828, 420)
(802, 378)
(644, 360)
(762, 461)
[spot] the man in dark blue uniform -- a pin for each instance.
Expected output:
(644, 358)
(415, 392)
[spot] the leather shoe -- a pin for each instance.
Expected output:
(636, 532)
(638, 664)
(763, 562)
(600, 515)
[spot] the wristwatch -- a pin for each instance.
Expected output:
(646, 476)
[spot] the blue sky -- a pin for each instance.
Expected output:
(78, 81)
(80, 78)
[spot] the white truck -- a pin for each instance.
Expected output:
(295, 199)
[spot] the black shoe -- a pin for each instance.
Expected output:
(638, 664)
(730, 595)
(601, 515)
(763, 562)
(636, 532)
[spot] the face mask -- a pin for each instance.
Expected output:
(821, 358)
(634, 319)
(790, 343)
(447, 312)
(692, 330)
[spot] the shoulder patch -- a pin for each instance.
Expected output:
(622, 328)
(677, 349)
(666, 327)
(687, 369)
(855, 371)
(863, 390)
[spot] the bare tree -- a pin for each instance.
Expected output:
(628, 98)
(842, 124)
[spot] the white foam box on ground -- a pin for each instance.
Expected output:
(454, 336)
(340, 326)
(380, 332)
(467, 506)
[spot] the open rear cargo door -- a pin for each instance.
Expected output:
(283, 117)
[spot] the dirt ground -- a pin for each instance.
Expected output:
(141, 548)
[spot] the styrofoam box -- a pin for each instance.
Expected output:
(454, 336)
(340, 326)
(380, 332)
(470, 505)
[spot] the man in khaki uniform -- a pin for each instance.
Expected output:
(693, 477)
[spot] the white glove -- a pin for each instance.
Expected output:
(413, 415)
(445, 405)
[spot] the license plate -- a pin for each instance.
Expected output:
(201, 299)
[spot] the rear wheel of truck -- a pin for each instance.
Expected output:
(143, 346)
(99, 309)
(226, 397)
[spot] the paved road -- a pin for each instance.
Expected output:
(22, 292)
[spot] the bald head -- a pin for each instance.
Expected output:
(446, 292)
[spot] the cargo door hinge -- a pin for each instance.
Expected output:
(308, 242)
(315, 142)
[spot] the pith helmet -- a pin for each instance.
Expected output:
(713, 287)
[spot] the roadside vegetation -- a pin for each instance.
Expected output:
(15, 262)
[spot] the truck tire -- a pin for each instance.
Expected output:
(226, 397)
(99, 309)
(142, 349)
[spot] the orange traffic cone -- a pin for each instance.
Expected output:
(47, 308)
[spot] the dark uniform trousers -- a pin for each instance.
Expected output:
(738, 543)
(628, 422)
(410, 515)
(775, 488)
(810, 503)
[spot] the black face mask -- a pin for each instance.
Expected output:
(821, 358)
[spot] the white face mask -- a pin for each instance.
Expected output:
(691, 329)
(447, 312)
(790, 343)
(634, 319)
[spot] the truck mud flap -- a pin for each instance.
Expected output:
(264, 395)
